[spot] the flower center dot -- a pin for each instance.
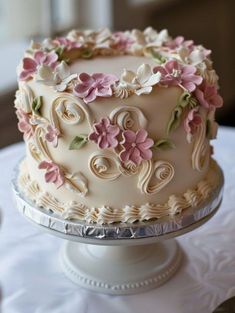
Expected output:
(104, 133)
(176, 73)
(133, 144)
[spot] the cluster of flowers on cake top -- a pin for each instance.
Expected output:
(179, 63)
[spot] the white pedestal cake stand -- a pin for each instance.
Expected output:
(120, 258)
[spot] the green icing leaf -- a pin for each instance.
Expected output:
(158, 58)
(78, 142)
(185, 100)
(36, 105)
(59, 51)
(174, 121)
(86, 53)
(163, 144)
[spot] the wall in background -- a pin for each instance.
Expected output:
(210, 22)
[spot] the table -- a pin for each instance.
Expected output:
(32, 281)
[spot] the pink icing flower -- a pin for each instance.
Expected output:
(96, 85)
(208, 96)
(40, 58)
(122, 41)
(105, 134)
(192, 121)
(53, 173)
(179, 42)
(175, 74)
(136, 146)
(52, 135)
(67, 43)
(24, 125)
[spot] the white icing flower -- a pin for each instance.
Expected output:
(145, 79)
(47, 45)
(125, 87)
(88, 37)
(139, 83)
(58, 78)
(139, 42)
(153, 38)
(195, 56)
(102, 38)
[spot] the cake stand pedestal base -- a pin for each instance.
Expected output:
(120, 269)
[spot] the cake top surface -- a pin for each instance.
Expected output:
(96, 64)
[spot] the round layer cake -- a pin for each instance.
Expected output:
(117, 125)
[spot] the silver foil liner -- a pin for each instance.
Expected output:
(117, 233)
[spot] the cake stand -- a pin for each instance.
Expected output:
(120, 258)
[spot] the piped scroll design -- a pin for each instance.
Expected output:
(40, 143)
(200, 155)
(128, 117)
(35, 153)
(105, 166)
(69, 110)
(154, 176)
(74, 182)
(24, 98)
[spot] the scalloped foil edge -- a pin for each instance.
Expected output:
(157, 227)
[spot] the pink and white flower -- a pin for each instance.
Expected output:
(141, 82)
(95, 85)
(136, 146)
(194, 55)
(60, 77)
(179, 42)
(53, 173)
(24, 125)
(208, 96)
(155, 39)
(30, 65)
(67, 43)
(52, 135)
(105, 134)
(176, 74)
(122, 41)
(191, 123)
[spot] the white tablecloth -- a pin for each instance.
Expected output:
(32, 281)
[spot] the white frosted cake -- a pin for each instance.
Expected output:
(117, 126)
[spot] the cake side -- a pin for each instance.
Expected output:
(123, 145)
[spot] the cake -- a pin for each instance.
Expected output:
(117, 126)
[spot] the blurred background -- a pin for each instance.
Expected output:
(208, 22)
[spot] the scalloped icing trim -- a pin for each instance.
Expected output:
(128, 214)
